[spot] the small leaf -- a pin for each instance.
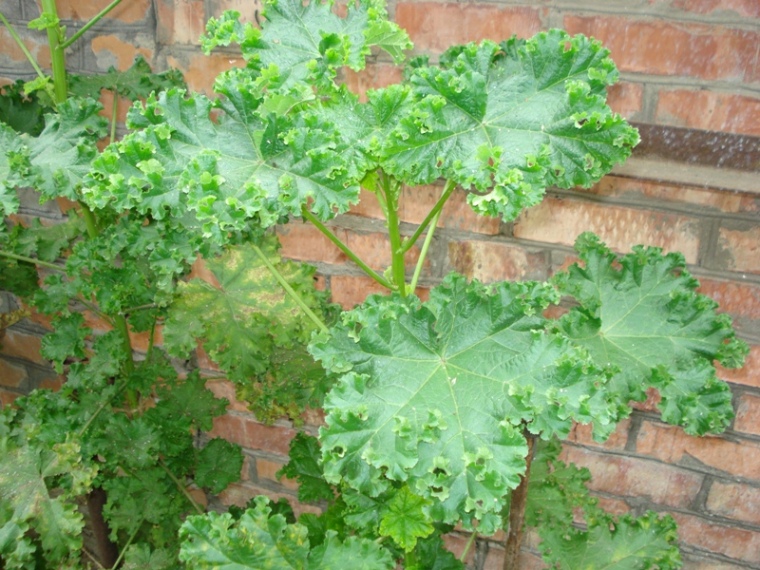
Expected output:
(304, 467)
(219, 464)
(405, 519)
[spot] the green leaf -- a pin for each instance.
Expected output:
(19, 110)
(14, 168)
(304, 467)
(67, 340)
(219, 464)
(60, 156)
(241, 169)
(135, 83)
(252, 328)
(507, 120)
(260, 540)
(308, 41)
(625, 543)
(437, 394)
(405, 519)
(640, 317)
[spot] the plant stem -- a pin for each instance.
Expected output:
(114, 116)
(434, 213)
(398, 274)
(470, 542)
(95, 19)
(181, 487)
(424, 251)
(344, 248)
(32, 260)
(57, 58)
(22, 47)
(126, 546)
(517, 509)
(289, 290)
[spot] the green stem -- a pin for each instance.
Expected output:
(423, 253)
(126, 546)
(181, 487)
(95, 19)
(289, 290)
(391, 190)
(434, 213)
(57, 56)
(32, 260)
(470, 542)
(344, 248)
(120, 324)
(22, 47)
(101, 407)
(114, 116)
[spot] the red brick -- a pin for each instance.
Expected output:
(128, 12)
(738, 299)
(709, 110)
(374, 76)
(649, 191)
(582, 434)
(113, 51)
(631, 477)
(744, 8)
(673, 49)
(350, 290)
(240, 493)
(561, 221)
(226, 389)
(740, 249)
(22, 345)
(735, 501)
(248, 433)
(690, 563)
(748, 415)
(495, 261)
(436, 26)
(749, 374)
(181, 22)
(7, 398)
(704, 535)
(266, 470)
(614, 506)
(247, 8)
(626, 99)
(672, 445)
(11, 375)
(201, 70)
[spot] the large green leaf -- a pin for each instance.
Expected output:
(14, 167)
(260, 540)
(507, 120)
(640, 317)
(308, 41)
(227, 169)
(438, 393)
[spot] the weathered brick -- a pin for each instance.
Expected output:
(693, 563)
(748, 415)
(739, 249)
(709, 110)
(561, 221)
(738, 299)
(226, 389)
(672, 445)
(749, 374)
(128, 12)
(374, 76)
(11, 375)
(582, 434)
(200, 70)
(702, 534)
(266, 470)
(650, 192)
(23, 345)
(497, 261)
(180, 22)
(120, 53)
(13, 57)
(247, 8)
(743, 8)
(350, 290)
(248, 433)
(434, 26)
(240, 493)
(626, 99)
(632, 477)
(673, 49)
(735, 501)
(7, 398)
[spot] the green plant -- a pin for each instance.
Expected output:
(439, 413)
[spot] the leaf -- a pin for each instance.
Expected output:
(305, 468)
(60, 156)
(405, 519)
(14, 168)
(625, 543)
(259, 540)
(20, 111)
(507, 120)
(239, 169)
(251, 327)
(640, 317)
(308, 41)
(437, 393)
(67, 340)
(219, 464)
(135, 83)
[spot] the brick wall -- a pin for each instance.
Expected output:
(686, 66)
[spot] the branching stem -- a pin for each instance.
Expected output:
(95, 19)
(289, 290)
(181, 487)
(391, 189)
(424, 251)
(57, 57)
(22, 47)
(432, 217)
(345, 249)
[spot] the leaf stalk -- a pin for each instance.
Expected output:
(95, 19)
(21, 45)
(32, 260)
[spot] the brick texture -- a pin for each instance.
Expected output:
(683, 63)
